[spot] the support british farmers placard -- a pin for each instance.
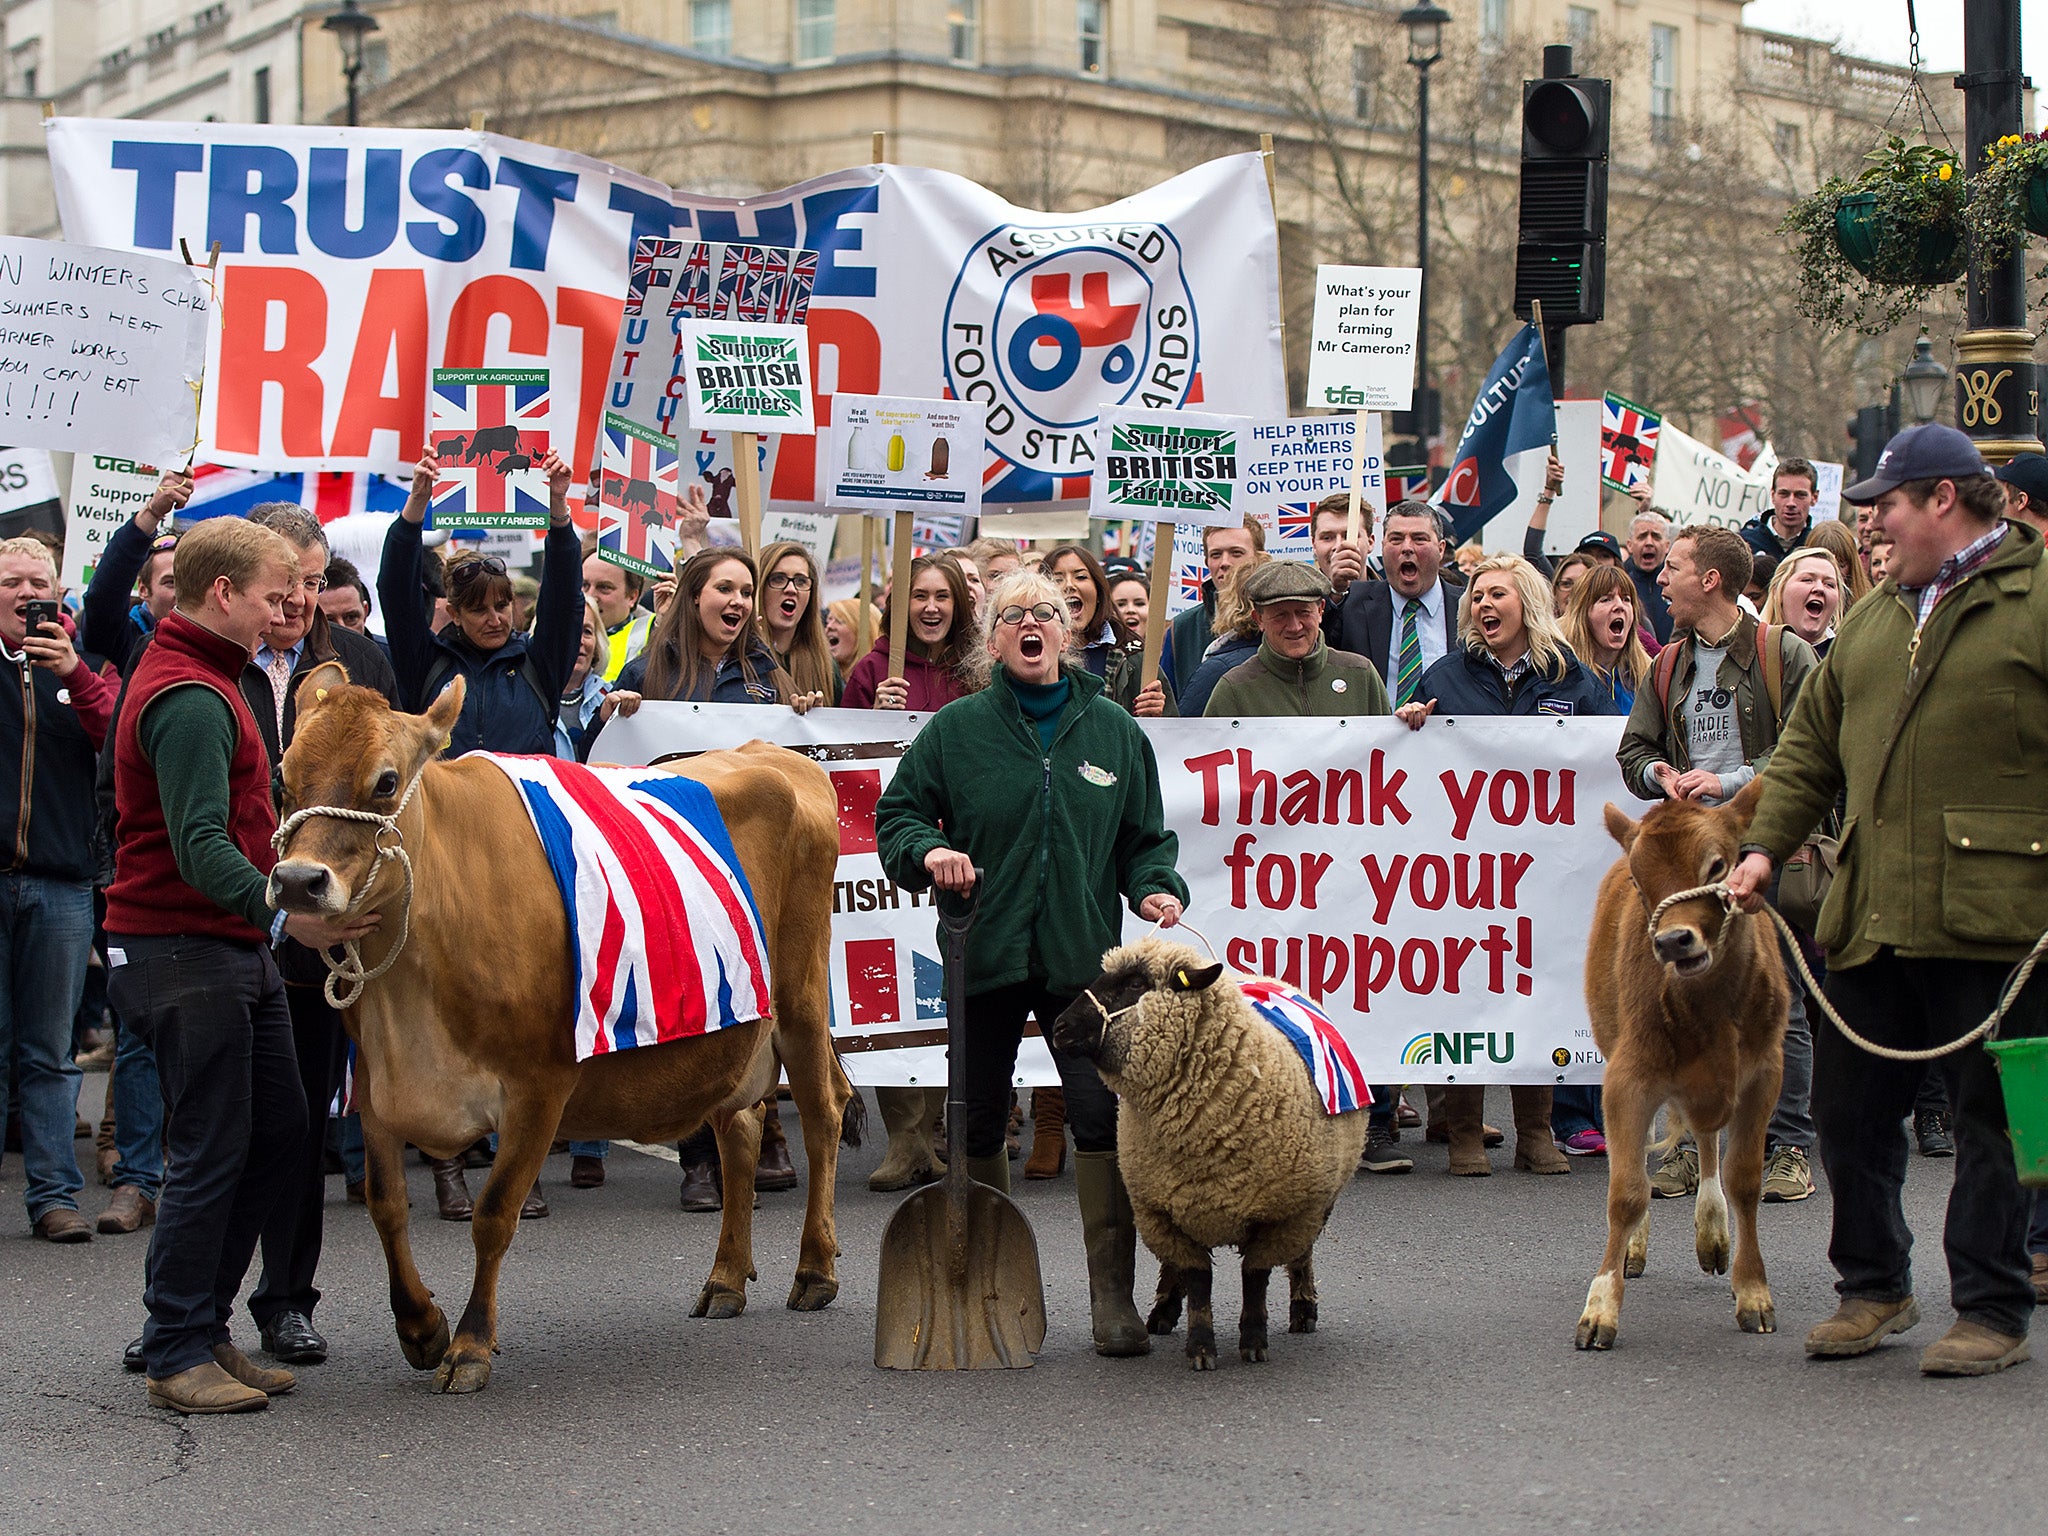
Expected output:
(746, 378)
(490, 434)
(1168, 466)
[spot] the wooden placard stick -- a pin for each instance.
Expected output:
(863, 627)
(899, 593)
(1162, 589)
(1357, 475)
(746, 474)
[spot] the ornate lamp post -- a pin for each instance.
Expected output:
(350, 26)
(1923, 382)
(1425, 24)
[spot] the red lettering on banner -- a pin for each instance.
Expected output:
(1210, 766)
(858, 791)
(1464, 802)
(857, 370)
(596, 317)
(469, 321)
(394, 318)
(1564, 810)
(871, 993)
(1508, 794)
(246, 296)
(1386, 884)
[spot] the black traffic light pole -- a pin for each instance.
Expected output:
(1997, 392)
(1561, 249)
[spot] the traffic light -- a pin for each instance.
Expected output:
(1869, 430)
(1561, 255)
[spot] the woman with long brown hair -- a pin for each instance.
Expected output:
(1603, 624)
(791, 618)
(937, 651)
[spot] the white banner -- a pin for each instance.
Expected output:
(353, 260)
(1432, 890)
(27, 479)
(1692, 483)
(100, 350)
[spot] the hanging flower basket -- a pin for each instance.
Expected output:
(1870, 251)
(2008, 196)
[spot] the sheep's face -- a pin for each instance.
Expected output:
(1099, 1024)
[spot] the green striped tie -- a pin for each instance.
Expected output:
(1408, 675)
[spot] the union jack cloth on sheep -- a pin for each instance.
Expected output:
(663, 927)
(1331, 1066)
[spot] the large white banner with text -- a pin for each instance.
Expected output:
(1432, 890)
(354, 260)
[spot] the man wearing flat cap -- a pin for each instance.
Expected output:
(1930, 717)
(1296, 672)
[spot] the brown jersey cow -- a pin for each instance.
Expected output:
(1693, 1014)
(470, 1029)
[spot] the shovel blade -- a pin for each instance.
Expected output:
(978, 1307)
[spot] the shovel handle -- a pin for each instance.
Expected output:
(956, 916)
(957, 909)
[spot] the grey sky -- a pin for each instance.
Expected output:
(1876, 29)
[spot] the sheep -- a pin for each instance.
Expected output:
(1222, 1136)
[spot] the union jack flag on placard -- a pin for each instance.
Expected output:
(1331, 1067)
(791, 275)
(1411, 484)
(662, 923)
(490, 433)
(653, 267)
(1628, 442)
(696, 286)
(637, 492)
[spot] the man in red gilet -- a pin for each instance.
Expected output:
(189, 931)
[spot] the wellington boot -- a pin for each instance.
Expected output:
(1048, 1134)
(1463, 1116)
(451, 1192)
(1111, 1234)
(774, 1171)
(1535, 1152)
(908, 1160)
(994, 1171)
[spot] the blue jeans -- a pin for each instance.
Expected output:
(596, 1149)
(138, 1112)
(1575, 1107)
(48, 927)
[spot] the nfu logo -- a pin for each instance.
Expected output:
(1045, 325)
(1459, 1050)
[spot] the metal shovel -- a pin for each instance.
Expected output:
(960, 1288)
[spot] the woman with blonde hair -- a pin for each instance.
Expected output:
(1807, 595)
(842, 630)
(1603, 625)
(1839, 541)
(1512, 659)
(791, 620)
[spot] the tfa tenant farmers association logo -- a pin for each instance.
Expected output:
(747, 375)
(1178, 469)
(1045, 325)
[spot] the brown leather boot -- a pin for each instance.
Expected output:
(205, 1388)
(1535, 1152)
(774, 1171)
(536, 1205)
(1463, 1120)
(451, 1192)
(1438, 1129)
(1971, 1349)
(129, 1211)
(268, 1380)
(1048, 1134)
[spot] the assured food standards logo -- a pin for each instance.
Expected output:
(1045, 324)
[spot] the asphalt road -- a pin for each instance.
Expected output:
(1441, 1394)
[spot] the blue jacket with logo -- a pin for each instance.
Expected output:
(1468, 682)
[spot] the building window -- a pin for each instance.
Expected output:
(711, 26)
(816, 29)
(259, 106)
(1091, 23)
(1493, 21)
(1663, 81)
(1365, 80)
(28, 81)
(1785, 140)
(963, 31)
(376, 60)
(1581, 26)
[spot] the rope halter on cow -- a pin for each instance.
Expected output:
(1719, 891)
(1989, 1027)
(348, 972)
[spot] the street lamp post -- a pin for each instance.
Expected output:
(350, 26)
(1425, 24)
(1997, 391)
(1923, 382)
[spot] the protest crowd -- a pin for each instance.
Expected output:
(154, 706)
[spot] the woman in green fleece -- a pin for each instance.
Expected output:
(1052, 791)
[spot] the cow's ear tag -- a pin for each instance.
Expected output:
(319, 695)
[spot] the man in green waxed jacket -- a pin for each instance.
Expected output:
(1294, 672)
(1051, 790)
(1931, 715)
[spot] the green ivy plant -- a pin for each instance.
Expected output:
(2008, 196)
(1906, 217)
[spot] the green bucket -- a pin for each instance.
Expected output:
(2023, 1073)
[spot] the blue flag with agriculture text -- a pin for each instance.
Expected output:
(1510, 430)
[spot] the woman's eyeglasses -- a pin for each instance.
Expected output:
(780, 581)
(1044, 613)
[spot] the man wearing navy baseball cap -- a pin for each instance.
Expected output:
(2026, 490)
(1927, 717)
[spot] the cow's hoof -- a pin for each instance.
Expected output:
(1633, 1266)
(1165, 1317)
(1301, 1317)
(1713, 1254)
(424, 1356)
(1202, 1359)
(717, 1302)
(462, 1375)
(811, 1293)
(1201, 1347)
(1595, 1334)
(1756, 1317)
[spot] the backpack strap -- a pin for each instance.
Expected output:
(442, 668)
(1770, 650)
(1666, 671)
